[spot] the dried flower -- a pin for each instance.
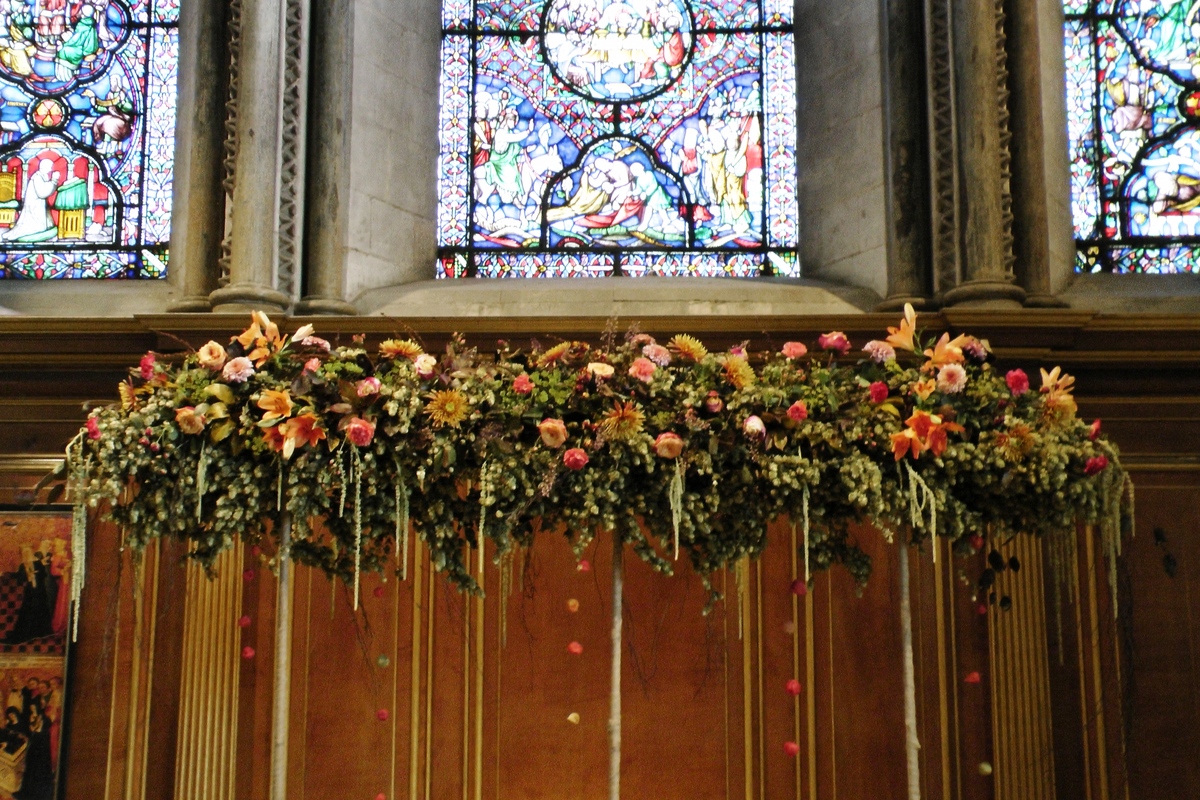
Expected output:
(668, 445)
(188, 420)
(93, 428)
(212, 356)
(1095, 465)
(880, 352)
(835, 342)
(360, 432)
(794, 349)
(599, 370)
(146, 366)
(447, 408)
(400, 348)
(553, 432)
(522, 385)
(575, 459)
(879, 392)
(367, 387)
(713, 402)
(657, 353)
(425, 365)
(1017, 381)
(797, 411)
(688, 347)
(754, 427)
(952, 379)
(238, 370)
(642, 369)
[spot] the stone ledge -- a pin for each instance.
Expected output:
(1131, 294)
(623, 297)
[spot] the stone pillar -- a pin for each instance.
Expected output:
(905, 174)
(981, 118)
(327, 195)
(254, 247)
(197, 197)
(1041, 188)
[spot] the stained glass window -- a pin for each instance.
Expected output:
(87, 137)
(635, 137)
(1133, 118)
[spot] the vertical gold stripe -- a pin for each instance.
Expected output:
(762, 719)
(479, 632)
(153, 553)
(725, 659)
(430, 602)
(1085, 720)
(796, 660)
(832, 710)
(939, 599)
(466, 695)
(135, 676)
(308, 607)
(747, 685)
(810, 692)
(415, 672)
(1097, 681)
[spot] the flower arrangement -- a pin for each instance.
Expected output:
(673, 449)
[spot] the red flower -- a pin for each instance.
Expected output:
(1095, 465)
(360, 432)
(1018, 382)
(879, 392)
(834, 341)
(147, 366)
(93, 428)
(1094, 431)
(522, 384)
(575, 459)
(797, 411)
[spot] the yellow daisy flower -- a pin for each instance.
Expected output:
(400, 348)
(447, 408)
(738, 372)
(623, 422)
(688, 347)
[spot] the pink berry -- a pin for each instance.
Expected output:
(244, 622)
(382, 715)
(575, 648)
(248, 575)
(247, 652)
(791, 749)
(972, 677)
(793, 687)
(799, 587)
(378, 591)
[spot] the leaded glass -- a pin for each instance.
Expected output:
(87, 137)
(637, 137)
(1133, 123)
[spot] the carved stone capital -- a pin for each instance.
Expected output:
(248, 297)
(985, 294)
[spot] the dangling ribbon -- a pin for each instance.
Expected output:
(676, 498)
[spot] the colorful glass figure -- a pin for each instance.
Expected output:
(597, 137)
(1133, 120)
(87, 137)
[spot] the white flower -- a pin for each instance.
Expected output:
(879, 351)
(952, 378)
(238, 370)
(303, 333)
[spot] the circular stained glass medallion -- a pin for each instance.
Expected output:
(614, 52)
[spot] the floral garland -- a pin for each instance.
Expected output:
(669, 447)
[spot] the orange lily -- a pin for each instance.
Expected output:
(1057, 386)
(924, 388)
(902, 337)
(923, 431)
(946, 351)
(299, 431)
(278, 405)
(263, 336)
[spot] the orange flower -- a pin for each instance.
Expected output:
(902, 337)
(623, 422)
(924, 388)
(688, 347)
(400, 348)
(301, 430)
(447, 408)
(261, 339)
(274, 438)
(923, 431)
(278, 405)
(1057, 386)
(738, 372)
(946, 351)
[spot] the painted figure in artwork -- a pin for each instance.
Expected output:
(34, 223)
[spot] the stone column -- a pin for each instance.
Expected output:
(198, 200)
(981, 118)
(255, 208)
(327, 195)
(905, 174)
(1041, 189)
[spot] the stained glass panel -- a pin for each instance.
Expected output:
(1133, 123)
(589, 137)
(87, 137)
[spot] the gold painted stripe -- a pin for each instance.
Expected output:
(1083, 693)
(810, 676)
(430, 602)
(832, 689)
(725, 659)
(796, 659)
(466, 695)
(415, 688)
(939, 599)
(479, 632)
(747, 699)
(762, 718)
(1097, 681)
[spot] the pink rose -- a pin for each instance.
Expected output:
(642, 369)
(879, 392)
(315, 341)
(1094, 431)
(313, 364)
(188, 420)
(553, 431)
(668, 445)
(360, 432)
(575, 459)
(834, 341)
(522, 384)
(657, 353)
(1018, 382)
(879, 351)
(367, 387)
(147, 366)
(754, 427)
(1095, 465)
(425, 365)
(238, 370)
(797, 411)
(213, 356)
(714, 403)
(93, 428)
(794, 349)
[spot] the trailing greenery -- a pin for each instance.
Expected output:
(679, 452)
